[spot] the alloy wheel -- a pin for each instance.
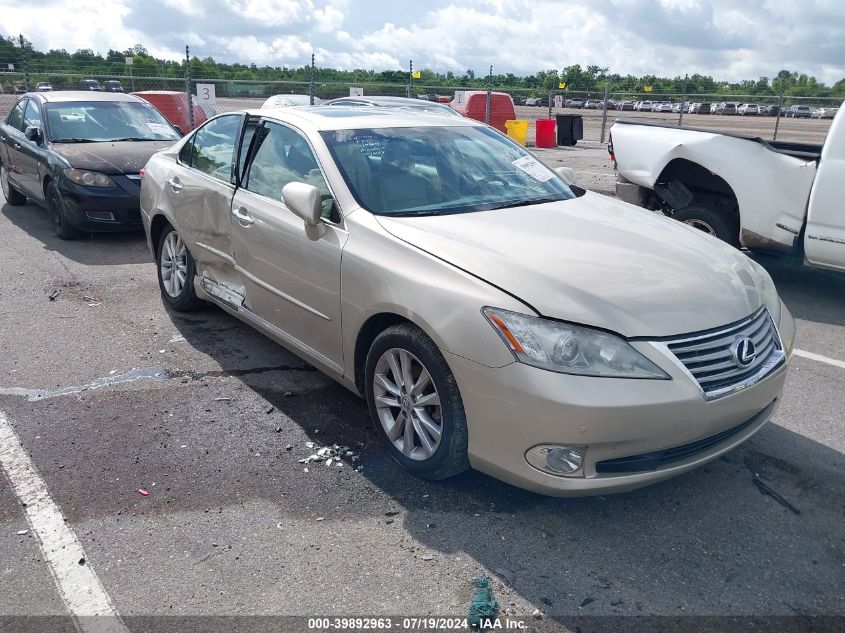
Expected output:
(701, 225)
(174, 264)
(408, 404)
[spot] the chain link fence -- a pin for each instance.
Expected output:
(803, 119)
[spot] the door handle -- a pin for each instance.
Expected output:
(175, 184)
(17, 145)
(243, 216)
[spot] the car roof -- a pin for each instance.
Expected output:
(387, 100)
(327, 117)
(82, 95)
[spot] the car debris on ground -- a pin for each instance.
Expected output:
(330, 455)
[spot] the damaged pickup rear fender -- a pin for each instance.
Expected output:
(771, 187)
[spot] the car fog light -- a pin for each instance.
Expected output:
(564, 461)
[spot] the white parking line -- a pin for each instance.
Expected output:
(819, 358)
(78, 585)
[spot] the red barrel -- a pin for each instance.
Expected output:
(545, 136)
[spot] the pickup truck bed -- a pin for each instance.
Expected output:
(808, 151)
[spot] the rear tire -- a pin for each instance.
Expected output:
(176, 270)
(435, 404)
(710, 221)
(12, 195)
(58, 214)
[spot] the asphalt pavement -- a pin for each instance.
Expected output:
(105, 395)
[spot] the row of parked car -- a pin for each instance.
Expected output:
(723, 107)
(110, 85)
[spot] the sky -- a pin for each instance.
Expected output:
(727, 39)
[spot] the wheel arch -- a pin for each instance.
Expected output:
(367, 333)
(48, 178)
(158, 225)
(707, 188)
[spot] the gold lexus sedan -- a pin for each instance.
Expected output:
(492, 315)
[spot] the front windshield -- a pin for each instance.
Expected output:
(438, 170)
(103, 121)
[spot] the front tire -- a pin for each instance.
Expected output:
(176, 270)
(58, 214)
(709, 221)
(12, 195)
(415, 404)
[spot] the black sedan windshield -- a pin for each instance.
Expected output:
(103, 121)
(437, 170)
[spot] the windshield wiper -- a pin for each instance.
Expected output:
(402, 214)
(131, 138)
(525, 203)
(75, 140)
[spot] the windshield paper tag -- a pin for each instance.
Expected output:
(533, 168)
(159, 128)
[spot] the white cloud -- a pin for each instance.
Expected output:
(328, 19)
(260, 52)
(723, 38)
(272, 12)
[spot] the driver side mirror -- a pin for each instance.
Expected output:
(566, 174)
(304, 201)
(33, 133)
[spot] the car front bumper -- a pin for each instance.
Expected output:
(515, 408)
(104, 208)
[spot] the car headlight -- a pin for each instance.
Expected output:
(768, 292)
(89, 178)
(569, 349)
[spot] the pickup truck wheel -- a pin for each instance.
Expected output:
(176, 270)
(709, 221)
(415, 404)
(12, 195)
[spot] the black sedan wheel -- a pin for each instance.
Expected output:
(12, 195)
(58, 214)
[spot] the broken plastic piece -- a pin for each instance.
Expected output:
(143, 492)
(484, 604)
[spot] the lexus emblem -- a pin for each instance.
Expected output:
(744, 352)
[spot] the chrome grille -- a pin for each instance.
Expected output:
(711, 357)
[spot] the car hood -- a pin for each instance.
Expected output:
(127, 157)
(595, 261)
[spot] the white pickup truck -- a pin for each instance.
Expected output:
(762, 195)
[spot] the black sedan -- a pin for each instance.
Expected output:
(79, 154)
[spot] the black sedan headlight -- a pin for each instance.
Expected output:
(89, 178)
